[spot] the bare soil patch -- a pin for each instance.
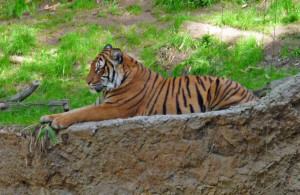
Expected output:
(284, 35)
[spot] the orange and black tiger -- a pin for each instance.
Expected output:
(130, 89)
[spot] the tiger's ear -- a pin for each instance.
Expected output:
(108, 46)
(117, 57)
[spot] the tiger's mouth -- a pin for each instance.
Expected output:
(96, 88)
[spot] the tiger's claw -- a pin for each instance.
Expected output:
(45, 119)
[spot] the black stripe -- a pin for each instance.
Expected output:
(216, 92)
(154, 82)
(227, 87)
(248, 97)
(134, 114)
(191, 109)
(114, 74)
(166, 98)
(115, 95)
(122, 59)
(124, 78)
(184, 98)
(217, 87)
(200, 100)
(187, 85)
(199, 80)
(157, 75)
(173, 87)
(210, 80)
(107, 69)
(139, 91)
(253, 96)
(237, 90)
(243, 92)
(232, 103)
(208, 98)
(139, 100)
(223, 97)
(157, 96)
(114, 101)
(179, 86)
(178, 106)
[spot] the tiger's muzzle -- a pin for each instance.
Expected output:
(96, 88)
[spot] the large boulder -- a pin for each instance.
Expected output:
(248, 149)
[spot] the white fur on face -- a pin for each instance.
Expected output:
(92, 89)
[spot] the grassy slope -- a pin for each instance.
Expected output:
(62, 67)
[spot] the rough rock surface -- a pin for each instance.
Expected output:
(249, 149)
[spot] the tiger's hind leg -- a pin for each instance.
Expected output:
(224, 93)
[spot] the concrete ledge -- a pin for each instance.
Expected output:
(248, 149)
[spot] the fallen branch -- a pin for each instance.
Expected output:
(25, 93)
(64, 103)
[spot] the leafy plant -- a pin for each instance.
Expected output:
(48, 131)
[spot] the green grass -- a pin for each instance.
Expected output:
(288, 52)
(178, 5)
(24, 116)
(84, 4)
(257, 16)
(114, 8)
(18, 41)
(110, 7)
(134, 9)
(237, 62)
(62, 67)
(16, 8)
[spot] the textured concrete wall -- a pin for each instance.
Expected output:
(248, 149)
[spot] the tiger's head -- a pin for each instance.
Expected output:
(107, 70)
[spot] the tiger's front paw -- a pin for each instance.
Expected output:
(61, 123)
(46, 119)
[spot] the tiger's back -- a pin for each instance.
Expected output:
(152, 94)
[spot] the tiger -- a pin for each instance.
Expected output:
(130, 89)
